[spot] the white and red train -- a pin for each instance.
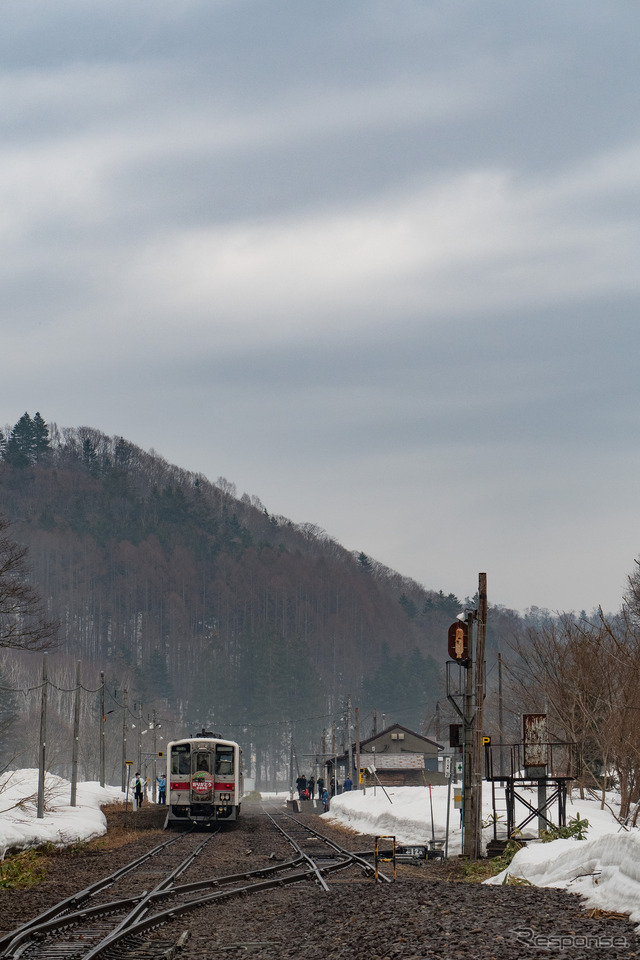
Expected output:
(204, 780)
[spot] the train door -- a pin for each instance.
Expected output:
(202, 776)
(225, 780)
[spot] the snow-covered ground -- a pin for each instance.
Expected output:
(604, 868)
(62, 824)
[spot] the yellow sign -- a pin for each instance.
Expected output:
(486, 741)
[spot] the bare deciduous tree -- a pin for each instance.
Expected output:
(586, 676)
(24, 623)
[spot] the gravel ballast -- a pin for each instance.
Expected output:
(425, 913)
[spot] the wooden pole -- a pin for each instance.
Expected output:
(155, 754)
(349, 741)
(76, 737)
(468, 809)
(500, 715)
(102, 722)
(358, 784)
(125, 695)
(43, 739)
(478, 728)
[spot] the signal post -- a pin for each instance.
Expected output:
(460, 649)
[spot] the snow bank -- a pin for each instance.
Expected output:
(62, 824)
(604, 869)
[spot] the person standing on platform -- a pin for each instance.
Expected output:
(162, 788)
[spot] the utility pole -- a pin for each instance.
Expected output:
(500, 714)
(478, 720)
(291, 761)
(155, 754)
(324, 757)
(76, 736)
(334, 758)
(102, 722)
(468, 813)
(125, 695)
(471, 657)
(358, 784)
(43, 739)
(140, 722)
(349, 742)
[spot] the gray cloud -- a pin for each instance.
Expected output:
(378, 267)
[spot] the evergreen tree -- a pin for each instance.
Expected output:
(40, 438)
(89, 456)
(20, 447)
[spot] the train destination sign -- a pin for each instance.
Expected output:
(202, 782)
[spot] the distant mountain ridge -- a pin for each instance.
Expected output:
(205, 601)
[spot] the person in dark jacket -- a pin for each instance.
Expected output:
(311, 786)
(348, 783)
(301, 784)
(138, 793)
(320, 786)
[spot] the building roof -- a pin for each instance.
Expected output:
(398, 726)
(387, 730)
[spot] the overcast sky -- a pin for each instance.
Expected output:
(376, 263)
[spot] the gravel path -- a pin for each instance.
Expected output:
(426, 913)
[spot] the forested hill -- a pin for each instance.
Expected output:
(233, 616)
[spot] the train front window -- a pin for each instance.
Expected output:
(181, 759)
(203, 763)
(224, 761)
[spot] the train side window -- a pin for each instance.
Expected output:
(181, 759)
(224, 760)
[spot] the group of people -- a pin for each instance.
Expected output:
(139, 785)
(306, 790)
(307, 787)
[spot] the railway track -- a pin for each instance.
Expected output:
(83, 924)
(322, 855)
(94, 923)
